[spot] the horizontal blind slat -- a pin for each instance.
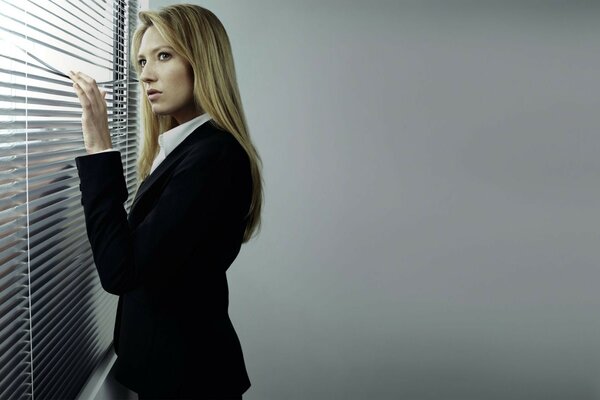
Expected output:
(44, 250)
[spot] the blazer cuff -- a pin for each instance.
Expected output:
(100, 174)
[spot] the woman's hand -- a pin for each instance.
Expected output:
(94, 120)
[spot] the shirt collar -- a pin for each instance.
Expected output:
(170, 139)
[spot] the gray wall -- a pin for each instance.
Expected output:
(432, 198)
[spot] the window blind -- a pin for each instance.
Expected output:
(56, 322)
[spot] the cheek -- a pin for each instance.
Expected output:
(188, 78)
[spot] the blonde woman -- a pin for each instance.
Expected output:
(200, 198)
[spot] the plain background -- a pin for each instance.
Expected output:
(431, 198)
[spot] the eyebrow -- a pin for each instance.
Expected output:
(154, 50)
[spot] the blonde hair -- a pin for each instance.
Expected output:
(197, 35)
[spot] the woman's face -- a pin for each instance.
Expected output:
(168, 78)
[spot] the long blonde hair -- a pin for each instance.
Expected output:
(197, 35)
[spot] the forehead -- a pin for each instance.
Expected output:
(151, 40)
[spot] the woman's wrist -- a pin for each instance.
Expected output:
(95, 151)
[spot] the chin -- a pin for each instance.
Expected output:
(160, 111)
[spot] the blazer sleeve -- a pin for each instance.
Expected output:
(180, 222)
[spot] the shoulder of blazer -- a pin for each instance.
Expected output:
(208, 141)
(210, 134)
(207, 144)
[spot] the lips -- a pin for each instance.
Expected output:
(153, 94)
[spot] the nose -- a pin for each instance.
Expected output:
(148, 74)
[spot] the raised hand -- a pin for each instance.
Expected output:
(94, 120)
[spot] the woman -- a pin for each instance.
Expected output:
(200, 199)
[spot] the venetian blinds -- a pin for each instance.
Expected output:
(56, 322)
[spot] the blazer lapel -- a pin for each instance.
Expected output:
(152, 178)
(166, 165)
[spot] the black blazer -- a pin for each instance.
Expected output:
(167, 260)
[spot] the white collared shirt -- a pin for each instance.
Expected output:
(172, 138)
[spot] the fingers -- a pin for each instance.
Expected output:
(87, 90)
(83, 79)
(94, 119)
(85, 103)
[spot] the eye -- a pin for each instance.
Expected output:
(162, 56)
(141, 63)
